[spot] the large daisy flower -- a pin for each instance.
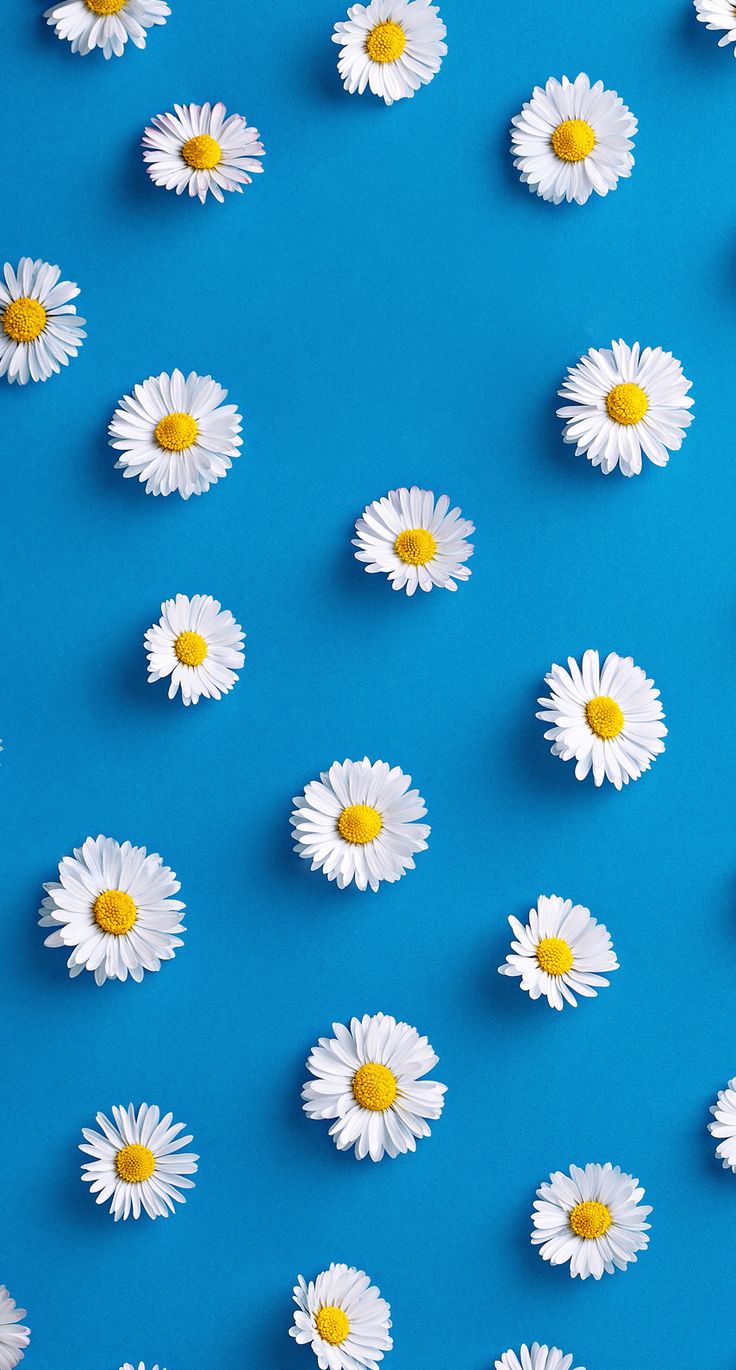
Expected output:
(622, 401)
(137, 1162)
(412, 539)
(535, 1357)
(359, 822)
(113, 907)
(608, 720)
(560, 952)
(106, 24)
(343, 1318)
(591, 1218)
(572, 139)
(13, 1336)
(39, 327)
(176, 434)
(198, 644)
(199, 149)
(724, 1112)
(368, 1078)
(720, 17)
(391, 46)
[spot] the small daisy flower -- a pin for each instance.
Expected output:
(724, 1112)
(720, 17)
(368, 1078)
(39, 327)
(176, 434)
(622, 401)
(391, 46)
(141, 1366)
(535, 1357)
(572, 139)
(412, 539)
(137, 1162)
(199, 149)
(198, 644)
(591, 1218)
(560, 952)
(343, 1318)
(106, 24)
(13, 1336)
(113, 907)
(609, 719)
(359, 822)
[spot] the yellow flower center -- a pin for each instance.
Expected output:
(105, 6)
(573, 140)
(135, 1163)
(385, 42)
(114, 912)
(627, 403)
(202, 153)
(590, 1219)
(24, 319)
(175, 432)
(374, 1087)
(332, 1324)
(190, 648)
(554, 955)
(604, 716)
(415, 546)
(359, 823)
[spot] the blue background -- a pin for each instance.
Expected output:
(387, 304)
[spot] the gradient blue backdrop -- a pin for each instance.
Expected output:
(387, 304)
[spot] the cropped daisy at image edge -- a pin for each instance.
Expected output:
(105, 24)
(39, 326)
(720, 17)
(14, 1336)
(342, 1316)
(137, 1162)
(572, 139)
(535, 1357)
(390, 47)
(590, 1219)
(367, 1081)
(723, 1126)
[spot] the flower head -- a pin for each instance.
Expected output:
(14, 1337)
(572, 139)
(560, 952)
(343, 1318)
(39, 327)
(137, 1162)
(198, 645)
(198, 148)
(391, 47)
(176, 434)
(591, 1219)
(410, 537)
(106, 24)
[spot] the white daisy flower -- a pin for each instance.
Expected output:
(106, 24)
(535, 1357)
(13, 1336)
(608, 719)
(198, 644)
(141, 1366)
(39, 327)
(113, 906)
(343, 1318)
(391, 46)
(137, 1162)
(572, 139)
(176, 434)
(199, 149)
(560, 952)
(412, 539)
(368, 1078)
(622, 401)
(720, 17)
(359, 822)
(591, 1218)
(724, 1112)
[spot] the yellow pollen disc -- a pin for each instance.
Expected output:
(175, 432)
(385, 42)
(135, 1163)
(554, 955)
(627, 403)
(374, 1087)
(202, 153)
(415, 546)
(190, 648)
(573, 140)
(604, 716)
(24, 319)
(105, 6)
(114, 912)
(359, 824)
(590, 1219)
(332, 1324)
